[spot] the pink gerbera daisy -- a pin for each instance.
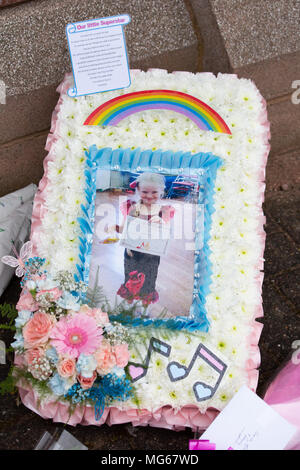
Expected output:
(76, 335)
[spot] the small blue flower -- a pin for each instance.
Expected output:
(23, 317)
(109, 328)
(30, 285)
(58, 385)
(47, 284)
(52, 355)
(86, 365)
(69, 302)
(19, 343)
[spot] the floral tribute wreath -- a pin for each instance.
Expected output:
(64, 347)
(78, 363)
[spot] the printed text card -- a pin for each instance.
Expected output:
(98, 55)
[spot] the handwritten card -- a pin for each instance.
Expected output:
(248, 423)
(98, 55)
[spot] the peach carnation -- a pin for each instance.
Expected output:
(121, 354)
(105, 358)
(96, 313)
(27, 302)
(37, 330)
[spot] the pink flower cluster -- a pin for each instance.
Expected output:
(72, 335)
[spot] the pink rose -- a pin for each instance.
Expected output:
(66, 367)
(27, 302)
(34, 353)
(37, 330)
(54, 293)
(105, 358)
(87, 382)
(121, 354)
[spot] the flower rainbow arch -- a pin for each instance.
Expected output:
(115, 110)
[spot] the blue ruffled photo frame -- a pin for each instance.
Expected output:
(205, 166)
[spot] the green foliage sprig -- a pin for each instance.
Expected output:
(8, 385)
(8, 313)
(95, 297)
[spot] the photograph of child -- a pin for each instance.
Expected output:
(143, 246)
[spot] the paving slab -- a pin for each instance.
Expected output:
(270, 226)
(21, 162)
(5, 3)
(283, 170)
(254, 30)
(281, 328)
(34, 46)
(33, 110)
(284, 117)
(283, 207)
(273, 77)
(213, 51)
(289, 284)
(281, 254)
(36, 57)
(259, 41)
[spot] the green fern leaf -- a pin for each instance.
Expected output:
(95, 296)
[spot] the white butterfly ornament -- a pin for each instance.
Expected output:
(19, 261)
